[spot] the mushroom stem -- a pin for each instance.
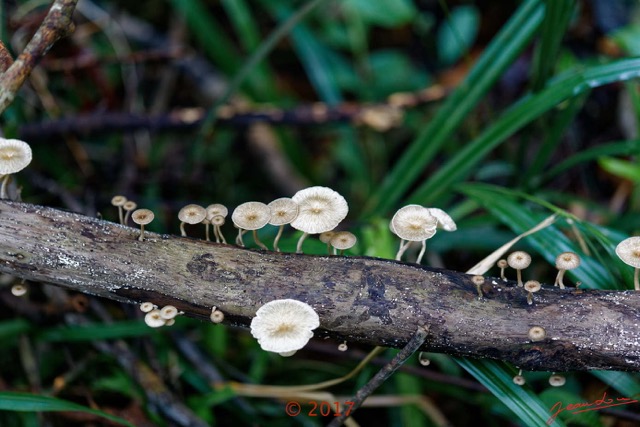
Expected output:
(422, 251)
(403, 247)
(277, 238)
(530, 298)
(559, 278)
(636, 281)
(3, 191)
(126, 217)
(258, 241)
(239, 241)
(300, 240)
(519, 276)
(206, 232)
(183, 233)
(141, 237)
(222, 239)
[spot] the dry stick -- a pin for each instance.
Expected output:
(5, 58)
(375, 302)
(56, 24)
(411, 347)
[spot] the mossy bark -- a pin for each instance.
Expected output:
(365, 300)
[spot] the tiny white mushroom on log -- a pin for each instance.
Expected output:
(15, 155)
(142, 217)
(531, 286)
(564, 262)
(629, 252)
(251, 216)
(283, 211)
(191, 214)
(519, 260)
(413, 223)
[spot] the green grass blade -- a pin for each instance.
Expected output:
(557, 17)
(496, 376)
(619, 148)
(25, 402)
(501, 52)
(516, 117)
(124, 329)
(624, 383)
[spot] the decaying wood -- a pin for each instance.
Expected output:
(365, 300)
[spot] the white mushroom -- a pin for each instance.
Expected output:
(119, 201)
(444, 220)
(215, 210)
(556, 380)
(283, 211)
(129, 206)
(154, 319)
(320, 209)
(142, 217)
(251, 216)
(531, 286)
(519, 260)
(284, 325)
(629, 252)
(15, 155)
(191, 214)
(168, 312)
(413, 223)
(342, 240)
(565, 261)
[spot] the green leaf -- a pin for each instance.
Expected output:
(100, 331)
(502, 51)
(560, 396)
(498, 378)
(457, 34)
(386, 13)
(621, 168)
(26, 402)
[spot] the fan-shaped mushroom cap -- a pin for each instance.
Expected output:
(284, 325)
(154, 319)
(532, 286)
(519, 260)
(142, 216)
(444, 220)
(168, 312)
(320, 209)
(15, 155)
(283, 211)
(118, 200)
(567, 261)
(129, 205)
(629, 251)
(413, 223)
(343, 240)
(217, 209)
(557, 380)
(192, 214)
(326, 236)
(147, 306)
(251, 215)
(217, 220)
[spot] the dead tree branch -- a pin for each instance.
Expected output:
(56, 24)
(366, 300)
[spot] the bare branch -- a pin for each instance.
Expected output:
(56, 24)
(365, 300)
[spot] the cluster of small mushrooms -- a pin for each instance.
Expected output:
(285, 326)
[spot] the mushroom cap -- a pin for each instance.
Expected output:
(129, 205)
(502, 263)
(147, 306)
(519, 380)
(251, 215)
(320, 209)
(557, 380)
(142, 216)
(629, 251)
(326, 236)
(18, 289)
(283, 211)
(414, 223)
(532, 285)
(15, 155)
(168, 312)
(444, 220)
(284, 325)
(217, 220)
(118, 200)
(343, 240)
(217, 209)
(192, 214)
(537, 333)
(154, 319)
(519, 260)
(567, 261)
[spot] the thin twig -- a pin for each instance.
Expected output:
(56, 24)
(383, 374)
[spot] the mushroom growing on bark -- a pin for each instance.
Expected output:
(191, 214)
(283, 211)
(342, 240)
(565, 261)
(251, 216)
(142, 217)
(320, 209)
(519, 260)
(15, 155)
(629, 252)
(531, 286)
(413, 223)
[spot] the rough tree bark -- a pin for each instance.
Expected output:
(364, 300)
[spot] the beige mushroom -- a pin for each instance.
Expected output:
(213, 210)
(119, 202)
(320, 209)
(128, 207)
(531, 286)
(191, 214)
(565, 261)
(326, 239)
(283, 211)
(342, 240)
(502, 265)
(413, 223)
(251, 216)
(629, 252)
(519, 260)
(15, 155)
(142, 217)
